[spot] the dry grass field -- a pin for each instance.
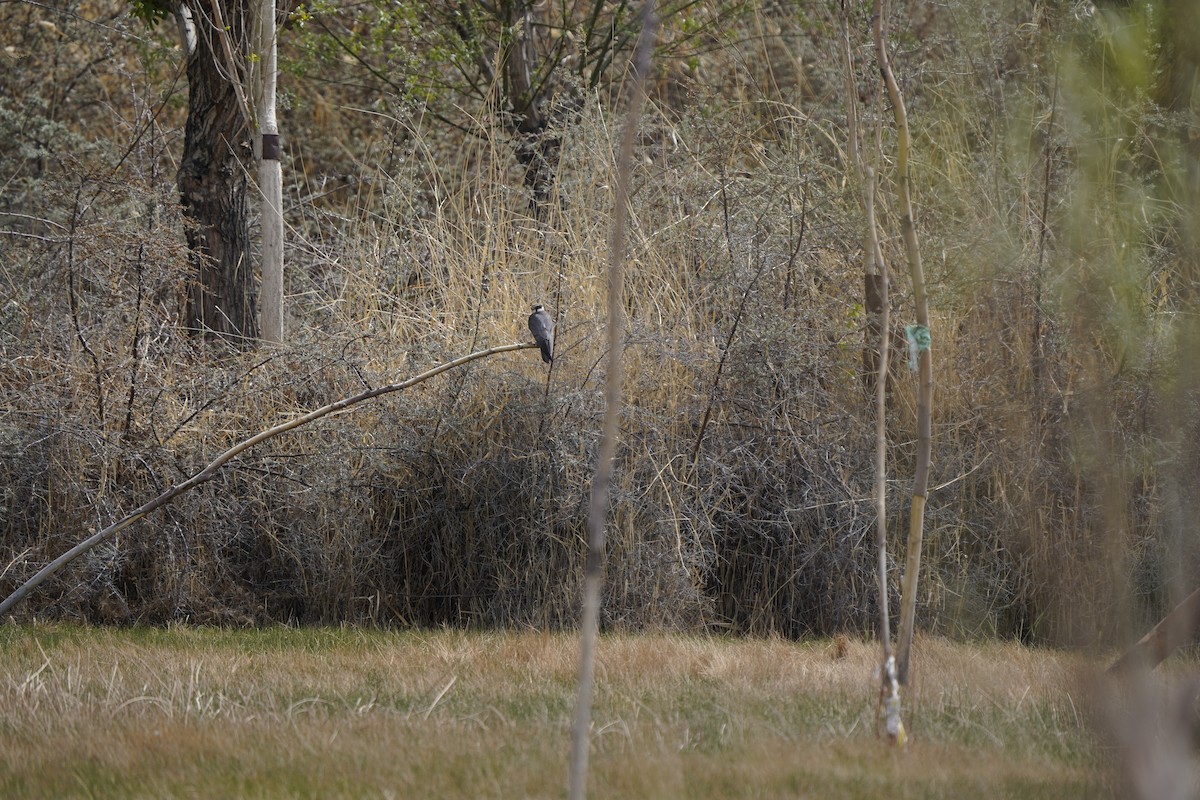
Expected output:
(186, 712)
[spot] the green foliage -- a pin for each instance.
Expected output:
(438, 53)
(150, 12)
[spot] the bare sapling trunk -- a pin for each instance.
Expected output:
(919, 348)
(889, 689)
(598, 505)
(876, 277)
(270, 171)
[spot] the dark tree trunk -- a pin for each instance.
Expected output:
(217, 157)
(538, 151)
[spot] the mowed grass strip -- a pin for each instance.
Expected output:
(336, 713)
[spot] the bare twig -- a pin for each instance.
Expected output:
(135, 347)
(183, 423)
(235, 79)
(1037, 359)
(213, 468)
(712, 394)
(73, 302)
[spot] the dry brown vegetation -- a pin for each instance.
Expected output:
(1063, 455)
(187, 712)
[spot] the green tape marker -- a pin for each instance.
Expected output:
(918, 339)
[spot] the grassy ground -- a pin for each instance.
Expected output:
(326, 713)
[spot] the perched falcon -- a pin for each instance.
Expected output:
(542, 328)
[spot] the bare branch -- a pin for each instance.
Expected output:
(213, 468)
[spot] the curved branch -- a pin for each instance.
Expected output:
(211, 470)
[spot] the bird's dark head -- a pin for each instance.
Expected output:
(538, 307)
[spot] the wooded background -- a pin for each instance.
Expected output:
(446, 165)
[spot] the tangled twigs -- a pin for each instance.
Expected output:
(211, 470)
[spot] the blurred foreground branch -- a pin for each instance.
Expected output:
(598, 507)
(1177, 629)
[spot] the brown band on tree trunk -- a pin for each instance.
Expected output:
(270, 147)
